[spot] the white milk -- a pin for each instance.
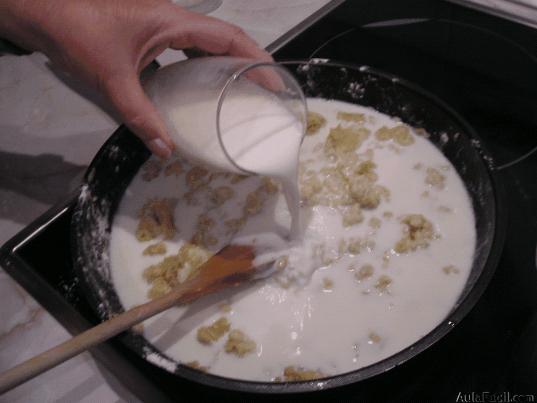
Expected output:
(263, 137)
(302, 323)
(259, 132)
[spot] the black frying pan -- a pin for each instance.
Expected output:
(123, 154)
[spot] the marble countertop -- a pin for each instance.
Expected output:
(50, 129)
(523, 11)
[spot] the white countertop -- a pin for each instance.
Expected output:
(523, 11)
(49, 133)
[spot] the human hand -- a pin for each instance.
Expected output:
(107, 43)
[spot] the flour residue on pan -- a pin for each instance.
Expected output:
(105, 180)
(159, 360)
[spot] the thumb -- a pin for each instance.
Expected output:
(137, 112)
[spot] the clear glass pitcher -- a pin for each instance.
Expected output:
(231, 114)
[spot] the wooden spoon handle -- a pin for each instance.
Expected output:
(74, 346)
(229, 267)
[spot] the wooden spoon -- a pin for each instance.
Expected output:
(230, 266)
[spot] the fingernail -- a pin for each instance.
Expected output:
(159, 147)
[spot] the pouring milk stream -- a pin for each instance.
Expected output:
(219, 116)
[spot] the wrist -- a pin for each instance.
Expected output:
(19, 24)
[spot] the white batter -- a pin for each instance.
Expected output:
(320, 313)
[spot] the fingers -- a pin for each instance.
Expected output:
(137, 112)
(190, 30)
(267, 77)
